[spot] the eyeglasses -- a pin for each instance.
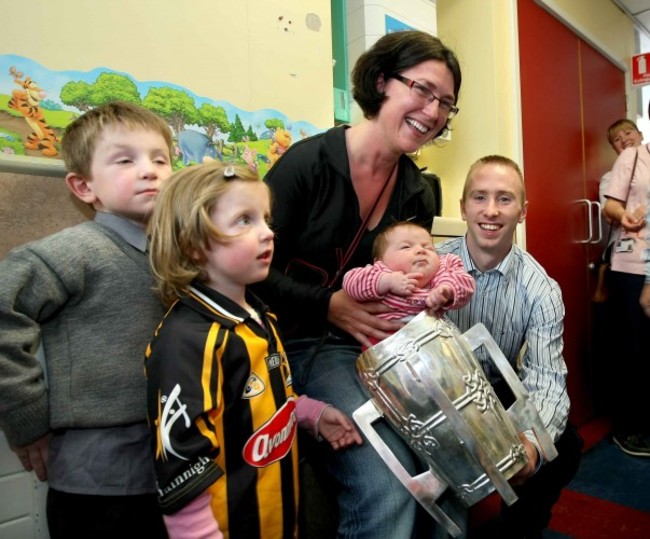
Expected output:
(423, 93)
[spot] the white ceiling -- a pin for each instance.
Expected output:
(639, 10)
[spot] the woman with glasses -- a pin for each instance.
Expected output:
(333, 193)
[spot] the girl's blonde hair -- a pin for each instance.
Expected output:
(181, 228)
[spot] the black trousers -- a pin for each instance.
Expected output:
(629, 369)
(531, 513)
(77, 516)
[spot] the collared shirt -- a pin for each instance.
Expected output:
(131, 233)
(522, 308)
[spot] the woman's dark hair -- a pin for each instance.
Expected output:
(392, 54)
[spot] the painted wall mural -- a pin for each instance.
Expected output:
(36, 104)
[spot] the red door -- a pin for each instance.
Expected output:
(570, 94)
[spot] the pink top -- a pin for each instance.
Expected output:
(631, 261)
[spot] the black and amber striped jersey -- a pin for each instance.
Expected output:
(221, 409)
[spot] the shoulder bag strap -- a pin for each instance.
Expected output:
(357, 237)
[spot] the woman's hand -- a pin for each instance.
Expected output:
(359, 319)
(630, 221)
(633, 221)
(644, 300)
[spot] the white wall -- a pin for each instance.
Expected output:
(366, 23)
(22, 499)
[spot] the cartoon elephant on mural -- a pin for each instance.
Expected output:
(195, 146)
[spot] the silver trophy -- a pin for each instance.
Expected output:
(426, 381)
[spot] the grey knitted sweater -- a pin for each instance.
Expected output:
(87, 293)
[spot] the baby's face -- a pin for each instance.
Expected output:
(410, 249)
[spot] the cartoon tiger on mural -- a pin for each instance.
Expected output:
(25, 101)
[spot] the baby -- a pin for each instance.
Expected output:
(409, 276)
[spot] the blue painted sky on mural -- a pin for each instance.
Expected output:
(52, 82)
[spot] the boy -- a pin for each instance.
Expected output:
(86, 293)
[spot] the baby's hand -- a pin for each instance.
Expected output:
(439, 297)
(335, 427)
(399, 283)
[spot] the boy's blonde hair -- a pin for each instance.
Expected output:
(380, 244)
(495, 160)
(181, 227)
(81, 136)
(617, 126)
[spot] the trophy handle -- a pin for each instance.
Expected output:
(523, 413)
(426, 488)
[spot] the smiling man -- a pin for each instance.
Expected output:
(521, 306)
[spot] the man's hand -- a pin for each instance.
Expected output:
(358, 319)
(34, 456)
(527, 471)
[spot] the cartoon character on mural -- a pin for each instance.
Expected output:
(194, 146)
(250, 158)
(25, 100)
(281, 141)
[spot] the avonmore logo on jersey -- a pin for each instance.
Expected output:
(274, 440)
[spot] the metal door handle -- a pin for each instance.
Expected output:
(590, 224)
(599, 213)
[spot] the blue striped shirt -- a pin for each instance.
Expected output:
(522, 308)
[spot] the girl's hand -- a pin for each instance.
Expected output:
(336, 427)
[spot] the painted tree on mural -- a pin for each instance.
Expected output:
(213, 119)
(274, 124)
(107, 87)
(237, 131)
(250, 134)
(175, 106)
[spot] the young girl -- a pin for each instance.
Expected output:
(220, 400)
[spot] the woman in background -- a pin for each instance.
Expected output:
(627, 199)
